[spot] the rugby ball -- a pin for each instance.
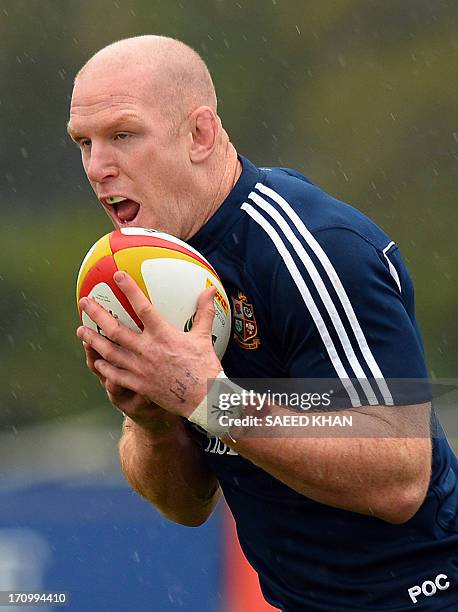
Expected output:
(170, 273)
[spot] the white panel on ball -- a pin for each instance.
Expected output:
(174, 286)
(104, 296)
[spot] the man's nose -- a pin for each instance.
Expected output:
(101, 165)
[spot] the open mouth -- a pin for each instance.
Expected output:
(125, 210)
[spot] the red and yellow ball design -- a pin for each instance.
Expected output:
(170, 273)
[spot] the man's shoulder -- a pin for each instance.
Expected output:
(280, 220)
(284, 198)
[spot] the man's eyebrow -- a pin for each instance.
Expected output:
(125, 117)
(71, 132)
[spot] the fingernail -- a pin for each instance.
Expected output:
(119, 277)
(83, 303)
(81, 332)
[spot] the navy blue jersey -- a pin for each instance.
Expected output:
(319, 291)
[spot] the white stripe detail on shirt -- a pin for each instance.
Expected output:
(323, 293)
(338, 287)
(308, 300)
(393, 271)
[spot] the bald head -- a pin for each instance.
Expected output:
(178, 79)
(143, 113)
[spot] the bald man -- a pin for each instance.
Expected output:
(356, 522)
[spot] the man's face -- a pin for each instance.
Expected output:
(138, 167)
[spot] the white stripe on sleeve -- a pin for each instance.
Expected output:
(308, 299)
(338, 287)
(323, 293)
(392, 269)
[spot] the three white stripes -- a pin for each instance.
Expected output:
(322, 291)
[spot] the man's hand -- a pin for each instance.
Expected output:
(161, 365)
(158, 456)
(131, 404)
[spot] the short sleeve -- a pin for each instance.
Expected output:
(345, 309)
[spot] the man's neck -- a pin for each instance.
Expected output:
(230, 171)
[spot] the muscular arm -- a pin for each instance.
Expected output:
(158, 457)
(381, 467)
(167, 468)
(384, 473)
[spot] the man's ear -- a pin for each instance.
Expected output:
(204, 129)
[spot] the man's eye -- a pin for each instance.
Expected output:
(121, 136)
(84, 143)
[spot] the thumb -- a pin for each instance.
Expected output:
(205, 312)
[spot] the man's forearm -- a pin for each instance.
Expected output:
(168, 469)
(375, 470)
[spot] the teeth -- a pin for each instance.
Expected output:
(115, 199)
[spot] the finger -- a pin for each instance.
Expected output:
(112, 328)
(116, 390)
(117, 376)
(205, 312)
(105, 348)
(91, 356)
(143, 308)
(110, 387)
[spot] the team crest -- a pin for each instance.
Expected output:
(245, 326)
